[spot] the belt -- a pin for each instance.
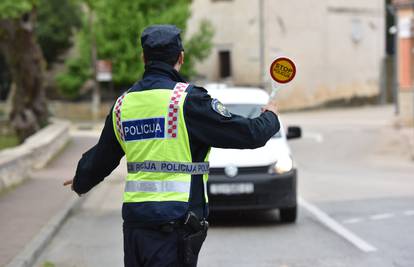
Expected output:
(164, 227)
(168, 227)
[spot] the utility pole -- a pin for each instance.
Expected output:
(96, 96)
(261, 41)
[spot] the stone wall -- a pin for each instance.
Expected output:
(77, 110)
(37, 150)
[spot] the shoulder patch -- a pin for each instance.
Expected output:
(218, 107)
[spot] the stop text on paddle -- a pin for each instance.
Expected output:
(283, 70)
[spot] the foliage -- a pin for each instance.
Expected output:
(117, 28)
(79, 73)
(15, 8)
(197, 48)
(56, 20)
(79, 69)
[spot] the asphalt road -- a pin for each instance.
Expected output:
(357, 193)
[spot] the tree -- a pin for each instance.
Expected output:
(5, 79)
(56, 20)
(25, 61)
(197, 48)
(117, 27)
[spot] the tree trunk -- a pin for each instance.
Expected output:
(25, 60)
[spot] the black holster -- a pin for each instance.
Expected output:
(195, 232)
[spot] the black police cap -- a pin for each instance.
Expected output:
(161, 42)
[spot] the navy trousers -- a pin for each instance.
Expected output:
(145, 247)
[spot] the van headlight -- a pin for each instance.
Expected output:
(282, 165)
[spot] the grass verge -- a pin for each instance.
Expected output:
(7, 141)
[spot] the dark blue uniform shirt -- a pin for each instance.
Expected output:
(206, 128)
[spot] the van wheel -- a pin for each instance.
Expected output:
(288, 215)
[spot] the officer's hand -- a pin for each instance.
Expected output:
(270, 107)
(70, 182)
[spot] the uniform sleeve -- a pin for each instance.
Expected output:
(99, 161)
(209, 127)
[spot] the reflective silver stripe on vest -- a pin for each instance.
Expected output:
(169, 167)
(157, 186)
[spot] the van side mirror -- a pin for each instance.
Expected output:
(294, 132)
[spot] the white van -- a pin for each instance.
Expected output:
(253, 179)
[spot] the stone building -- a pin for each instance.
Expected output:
(338, 46)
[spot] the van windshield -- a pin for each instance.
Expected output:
(247, 110)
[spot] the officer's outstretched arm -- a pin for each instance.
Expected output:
(216, 127)
(99, 161)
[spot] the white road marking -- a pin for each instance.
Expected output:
(409, 212)
(381, 216)
(377, 217)
(336, 227)
(353, 220)
(315, 136)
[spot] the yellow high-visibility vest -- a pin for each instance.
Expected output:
(150, 127)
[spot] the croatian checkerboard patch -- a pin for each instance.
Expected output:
(174, 108)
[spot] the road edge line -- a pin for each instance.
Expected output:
(334, 226)
(30, 253)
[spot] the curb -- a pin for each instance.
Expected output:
(28, 256)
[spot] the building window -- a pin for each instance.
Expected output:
(225, 64)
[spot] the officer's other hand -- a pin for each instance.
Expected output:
(70, 182)
(270, 107)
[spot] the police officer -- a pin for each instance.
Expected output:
(165, 127)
